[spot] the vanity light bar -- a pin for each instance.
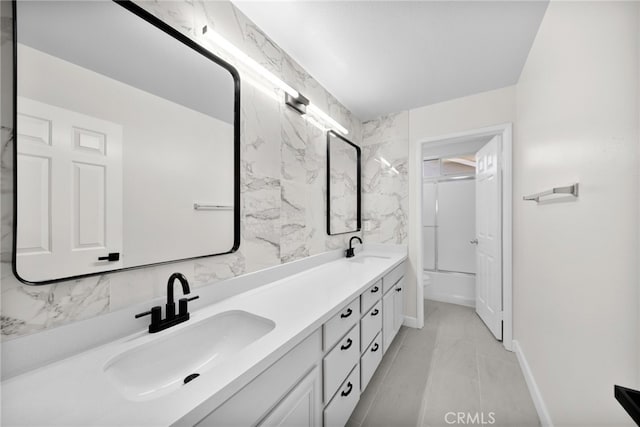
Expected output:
(248, 61)
(259, 69)
(321, 114)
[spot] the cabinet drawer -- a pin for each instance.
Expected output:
(339, 362)
(392, 277)
(370, 361)
(338, 325)
(371, 296)
(337, 413)
(370, 325)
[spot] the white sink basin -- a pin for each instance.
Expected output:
(161, 366)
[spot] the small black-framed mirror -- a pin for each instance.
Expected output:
(127, 148)
(343, 185)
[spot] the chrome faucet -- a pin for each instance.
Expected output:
(350, 252)
(171, 319)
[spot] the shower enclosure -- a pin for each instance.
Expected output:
(449, 228)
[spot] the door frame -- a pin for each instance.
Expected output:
(505, 130)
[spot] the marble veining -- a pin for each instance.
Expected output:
(385, 186)
(283, 194)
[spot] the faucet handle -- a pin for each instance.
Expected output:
(182, 305)
(154, 311)
(156, 316)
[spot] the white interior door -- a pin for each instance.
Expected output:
(69, 192)
(488, 234)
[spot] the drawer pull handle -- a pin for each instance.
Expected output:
(375, 347)
(347, 345)
(375, 312)
(346, 314)
(375, 289)
(398, 289)
(346, 393)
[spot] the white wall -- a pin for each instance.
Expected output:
(576, 263)
(458, 115)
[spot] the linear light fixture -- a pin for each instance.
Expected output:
(293, 98)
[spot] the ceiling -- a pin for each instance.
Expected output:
(378, 57)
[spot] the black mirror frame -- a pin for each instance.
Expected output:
(359, 184)
(166, 28)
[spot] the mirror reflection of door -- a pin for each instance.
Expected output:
(69, 191)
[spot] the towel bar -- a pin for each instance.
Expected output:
(569, 189)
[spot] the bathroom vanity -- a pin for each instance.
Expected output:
(299, 349)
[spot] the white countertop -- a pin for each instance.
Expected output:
(76, 392)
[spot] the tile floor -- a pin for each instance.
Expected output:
(453, 364)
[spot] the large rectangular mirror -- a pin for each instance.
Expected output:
(127, 142)
(343, 185)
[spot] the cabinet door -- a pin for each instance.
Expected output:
(398, 305)
(301, 407)
(388, 319)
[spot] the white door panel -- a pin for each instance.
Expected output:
(69, 192)
(488, 234)
(34, 204)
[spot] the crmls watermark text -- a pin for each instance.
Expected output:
(470, 418)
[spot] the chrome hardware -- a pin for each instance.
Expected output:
(211, 207)
(569, 189)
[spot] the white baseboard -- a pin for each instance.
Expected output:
(541, 408)
(451, 299)
(410, 322)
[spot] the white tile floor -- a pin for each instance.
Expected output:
(452, 365)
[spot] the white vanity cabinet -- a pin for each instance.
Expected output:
(318, 383)
(287, 393)
(392, 304)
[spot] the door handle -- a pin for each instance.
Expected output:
(474, 241)
(346, 314)
(347, 345)
(113, 256)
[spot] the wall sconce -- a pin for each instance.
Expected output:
(293, 98)
(298, 103)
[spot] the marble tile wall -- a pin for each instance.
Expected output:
(385, 174)
(282, 184)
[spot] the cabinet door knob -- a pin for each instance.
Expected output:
(349, 387)
(375, 312)
(347, 345)
(398, 289)
(375, 289)
(346, 314)
(375, 347)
